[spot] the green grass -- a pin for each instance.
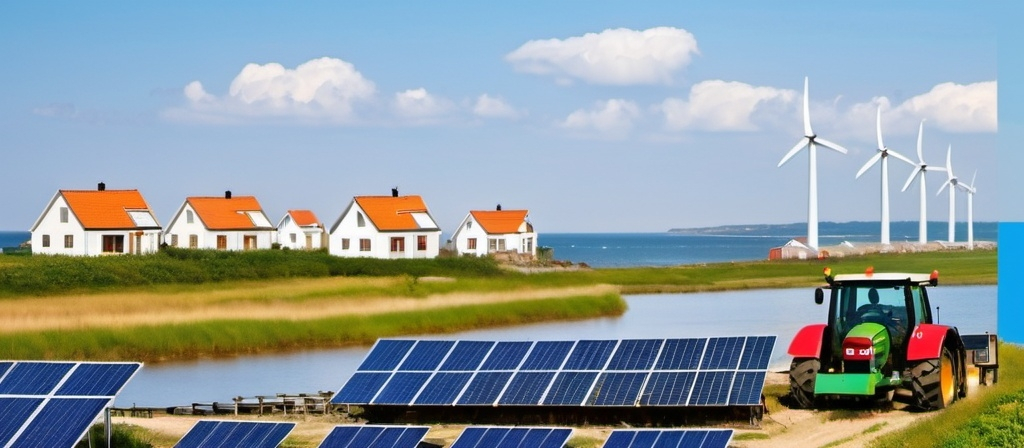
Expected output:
(234, 337)
(583, 442)
(121, 436)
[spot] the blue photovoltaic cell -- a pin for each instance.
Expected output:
(340, 436)
(570, 388)
(467, 355)
(410, 438)
(669, 438)
(619, 439)
(61, 422)
(361, 388)
(681, 354)
(506, 356)
(402, 388)
(756, 352)
(526, 388)
(492, 437)
(645, 439)
(15, 412)
(717, 438)
(470, 437)
(366, 436)
(668, 388)
(590, 355)
(235, 434)
(617, 389)
(722, 353)
(484, 388)
(34, 378)
(635, 354)
(711, 389)
(746, 389)
(386, 354)
(547, 355)
(443, 388)
(426, 355)
(513, 437)
(98, 379)
(555, 439)
(4, 366)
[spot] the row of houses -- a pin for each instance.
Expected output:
(101, 222)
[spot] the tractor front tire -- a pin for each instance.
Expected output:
(801, 381)
(934, 382)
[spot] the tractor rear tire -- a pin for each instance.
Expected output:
(801, 381)
(934, 382)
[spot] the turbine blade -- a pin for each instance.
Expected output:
(807, 112)
(830, 145)
(911, 178)
(972, 179)
(878, 127)
(901, 157)
(949, 162)
(792, 152)
(965, 188)
(920, 134)
(943, 187)
(874, 159)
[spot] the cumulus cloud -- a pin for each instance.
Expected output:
(722, 106)
(611, 118)
(614, 56)
(420, 105)
(949, 107)
(324, 89)
(491, 107)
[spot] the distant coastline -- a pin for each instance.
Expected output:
(856, 229)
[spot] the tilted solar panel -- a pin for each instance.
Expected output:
(467, 355)
(235, 434)
(512, 437)
(668, 438)
(506, 356)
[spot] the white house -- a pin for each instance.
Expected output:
(223, 223)
(96, 222)
(300, 229)
(485, 232)
(385, 227)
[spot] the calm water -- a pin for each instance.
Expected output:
(779, 312)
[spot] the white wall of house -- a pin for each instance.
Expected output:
(186, 225)
(294, 236)
(60, 233)
(351, 236)
(486, 243)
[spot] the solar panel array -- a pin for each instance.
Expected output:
(235, 434)
(52, 404)
(374, 436)
(669, 438)
(512, 437)
(720, 371)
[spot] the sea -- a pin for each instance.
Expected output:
(704, 245)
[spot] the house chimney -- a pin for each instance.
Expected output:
(499, 207)
(227, 194)
(101, 186)
(394, 192)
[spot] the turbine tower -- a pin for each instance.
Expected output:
(951, 182)
(919, 172)
(883, 155)
(810, 141)
(969, 189)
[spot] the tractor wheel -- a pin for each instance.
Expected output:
(801, 381)
(935, 382)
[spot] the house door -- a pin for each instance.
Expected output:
(309, 242)
(250, 242)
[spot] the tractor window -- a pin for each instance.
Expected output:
(922, 315)
(883, 305)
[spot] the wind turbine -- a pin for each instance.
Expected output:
(951, 182)
(919, 172)
(810, 141)
(969, 189)
(883, 155)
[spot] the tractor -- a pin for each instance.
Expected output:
(881, 344)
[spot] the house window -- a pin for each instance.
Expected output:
(471, 243)
(421, 242)
(364, 244)
(249, 242)
(496, 245)
(113, 244)
(189, 217)
(63, 214)
(344, 243)
(193, 241)
(46, 240)
(293, 237)
(69, 241)
(469, 224)
(397, 244)
(174, 240)
(360, 220)
(528, 245)
(222, 242)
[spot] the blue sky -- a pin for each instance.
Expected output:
(595, 116)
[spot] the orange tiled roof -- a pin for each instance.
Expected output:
(500, 221)
(392, 213)
(219, 213)
(105, 209)
(304, 218)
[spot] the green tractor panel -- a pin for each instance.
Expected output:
(880, 342)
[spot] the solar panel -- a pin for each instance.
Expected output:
(235, 434)
(668, 438)
(52, 404)
(512, 437)
(719, 371)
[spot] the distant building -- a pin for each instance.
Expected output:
(796, 248)
(300, 229)
(485, 232)
(385, 227)
(96, 222)
(220, 222)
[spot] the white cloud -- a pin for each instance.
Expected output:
(420, 104)
(615, 56)
(612, 118)
(956, 107)
(721, 106)
(320, 89)
(492, 107)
